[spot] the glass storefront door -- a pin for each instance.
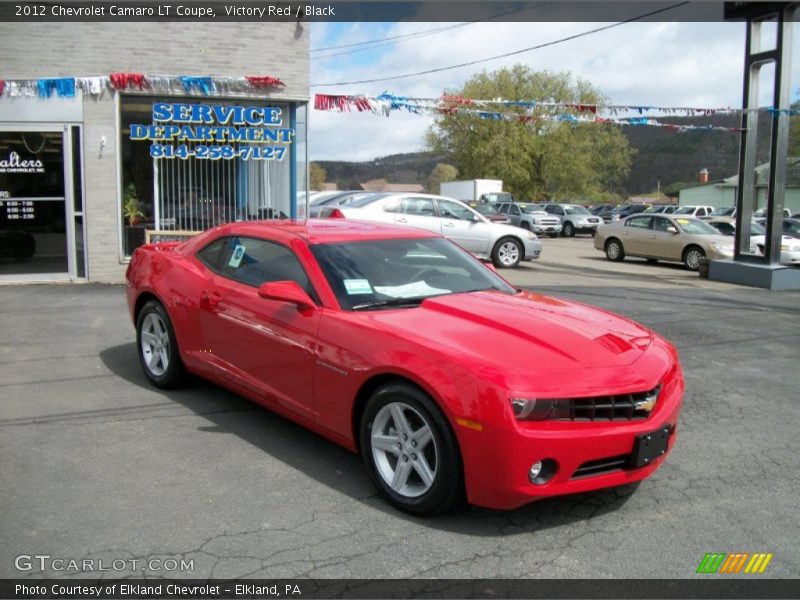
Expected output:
(35, 217)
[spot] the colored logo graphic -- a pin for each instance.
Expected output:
(734, 563)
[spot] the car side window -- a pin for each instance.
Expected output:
(417, 206)
(392, 206)
(639, 222)
(502, 208)
(661, 224)
(514, 210)
(211, 254)
(253, 261)
(451, 210)
(701, 212)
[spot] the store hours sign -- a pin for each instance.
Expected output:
(215, 132)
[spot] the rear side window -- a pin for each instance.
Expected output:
(211, 255)
(640, 222)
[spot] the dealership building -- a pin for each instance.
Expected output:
(112, 131)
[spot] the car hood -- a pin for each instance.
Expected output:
(524, 331)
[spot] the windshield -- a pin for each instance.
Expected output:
(485, 209)
(695, 226)
(684, 210)
(724, 211)
(382, 273)
(576, 210)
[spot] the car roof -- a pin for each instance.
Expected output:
(318, 231)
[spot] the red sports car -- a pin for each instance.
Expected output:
(396, 343)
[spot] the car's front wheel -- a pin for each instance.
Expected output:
(410, 450)
(507, 253)
(569, 229)
(614, 250)
(692, 256)
(158, 347)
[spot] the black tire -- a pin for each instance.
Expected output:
(525, 225)
(569, 229)
(652, 261)
(447, 487)
(614, 250)
(154, 320)
(502, 256)
(553, 235)
(692, 256)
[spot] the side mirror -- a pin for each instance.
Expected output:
(672, 229)
(287, 291)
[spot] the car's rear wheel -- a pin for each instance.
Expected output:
(410, 450)
(158, 347)
(614, 250)
(525, 225)
(692, 256)
(569, 229)
(507, 253)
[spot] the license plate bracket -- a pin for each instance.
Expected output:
(649, 446)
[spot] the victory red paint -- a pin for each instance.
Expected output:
(395, 343)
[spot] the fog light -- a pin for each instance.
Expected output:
(542, 471)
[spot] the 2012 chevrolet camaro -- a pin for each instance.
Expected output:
(396, 343)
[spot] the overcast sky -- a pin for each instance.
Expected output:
(664, 64)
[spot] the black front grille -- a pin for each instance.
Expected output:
(622, 407)
(600, 466)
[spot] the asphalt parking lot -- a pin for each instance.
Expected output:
(98, 464)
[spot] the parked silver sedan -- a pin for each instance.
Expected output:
(663, 237)
(505, 245)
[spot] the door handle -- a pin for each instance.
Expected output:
(402, 220)
(449, 224)
(210, 299)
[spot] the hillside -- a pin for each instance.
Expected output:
(661, 156)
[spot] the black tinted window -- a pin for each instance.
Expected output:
(211, 254)
(252, 261)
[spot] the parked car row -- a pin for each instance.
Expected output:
(685, 239)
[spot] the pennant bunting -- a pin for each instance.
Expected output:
(526, 111)
(264, 81)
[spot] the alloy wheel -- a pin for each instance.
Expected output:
(404, 450)
(155, 345)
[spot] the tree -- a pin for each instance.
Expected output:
(541, 158)
(317, 176)
(441, 172)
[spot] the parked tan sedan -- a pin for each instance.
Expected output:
(663, 237)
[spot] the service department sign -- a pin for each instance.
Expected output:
(215, 132)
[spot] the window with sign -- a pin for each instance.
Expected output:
(193, 163)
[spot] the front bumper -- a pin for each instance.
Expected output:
(498, 479)
(533, 249)
(546, 228)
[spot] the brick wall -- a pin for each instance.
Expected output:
(34, 50)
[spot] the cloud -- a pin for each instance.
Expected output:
(663, 63)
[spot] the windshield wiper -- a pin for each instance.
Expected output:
(414, 301)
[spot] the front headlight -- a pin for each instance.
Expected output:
(531, 409)
(789, 248)
(532, 236)
(722, 248)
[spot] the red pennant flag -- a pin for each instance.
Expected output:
(264, 81)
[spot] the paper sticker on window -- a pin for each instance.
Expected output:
(357, 286)
(238, 255)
